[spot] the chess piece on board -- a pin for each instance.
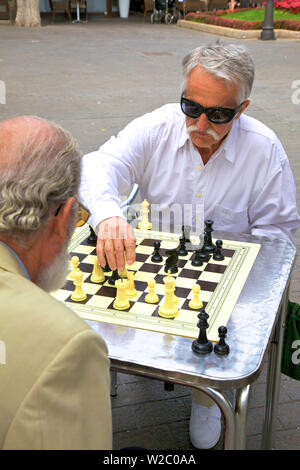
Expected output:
(195, 302)
(171, 261)
(182, 251)
(114, 277)
(218, 255)
(121, 302)
(144, 224)
(202, 345)
(78, 295)
(156, 256)
(198, 259)
(222, 348)
(75, 266)
(186, 230)
(169, 308)
(97, 274)
(92, 237)
(209, 246)
(151, 297)
(131, 290)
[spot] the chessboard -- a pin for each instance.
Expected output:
(221, 283)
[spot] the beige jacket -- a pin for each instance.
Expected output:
(55, 383)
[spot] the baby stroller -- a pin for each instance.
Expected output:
(164, 11)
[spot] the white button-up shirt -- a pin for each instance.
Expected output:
(246, 186)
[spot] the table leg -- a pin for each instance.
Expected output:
(78, 20)
(274, 375)
(228, 413)
(113, 383)
(241, 410)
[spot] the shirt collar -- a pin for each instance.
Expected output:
(227, 146)
(17, 258)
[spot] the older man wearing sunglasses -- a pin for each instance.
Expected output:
(203, 151)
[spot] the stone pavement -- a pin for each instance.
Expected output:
(94, 78)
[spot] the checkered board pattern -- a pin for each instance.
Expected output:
(221, 283)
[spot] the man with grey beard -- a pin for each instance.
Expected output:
(55, 384)
(201, 152)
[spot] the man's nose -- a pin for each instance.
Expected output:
(202, 122)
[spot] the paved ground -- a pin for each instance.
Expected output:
(93, 78)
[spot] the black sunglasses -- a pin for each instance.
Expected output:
(216, 115)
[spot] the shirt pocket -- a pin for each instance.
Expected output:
(231, 220)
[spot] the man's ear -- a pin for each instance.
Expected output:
(63, 218)
(244, 106)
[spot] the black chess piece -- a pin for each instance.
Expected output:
(106, 268)
(209, 246)
(181, 250)
(186, 230)
(156, 256)
(114, 277)
(218, 255)
(171, 261)
(221, 347)
(202, 345)
(92, 239)
(197, 260)
(203, 254)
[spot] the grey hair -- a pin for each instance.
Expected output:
(228, 62)
(40, 169)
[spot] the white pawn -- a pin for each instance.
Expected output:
(151, 297)
(78, 295)
(195, 302)
(75, 268)
(131, 290)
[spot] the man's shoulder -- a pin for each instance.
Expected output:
(166, 115)
(24, 300)
(250, 125)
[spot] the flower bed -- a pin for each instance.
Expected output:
(216, 18)
(288, 5)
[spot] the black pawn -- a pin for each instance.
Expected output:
(209, 246)
(203, 254)
(186, 230)
(114, 277)
(202, 345)
(221, 347)
(182, 251)
(197, 260)
(156, 257)
(218, 255)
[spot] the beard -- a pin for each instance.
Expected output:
(54, 276)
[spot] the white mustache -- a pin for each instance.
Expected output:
(210, 132)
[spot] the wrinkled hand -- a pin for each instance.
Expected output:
(116, 243)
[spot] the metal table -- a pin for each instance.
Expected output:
(255, 328)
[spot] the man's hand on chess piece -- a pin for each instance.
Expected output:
(115, 243)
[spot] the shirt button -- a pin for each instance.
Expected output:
(199, 194)
(199, 167)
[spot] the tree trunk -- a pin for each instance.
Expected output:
(28, 13)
